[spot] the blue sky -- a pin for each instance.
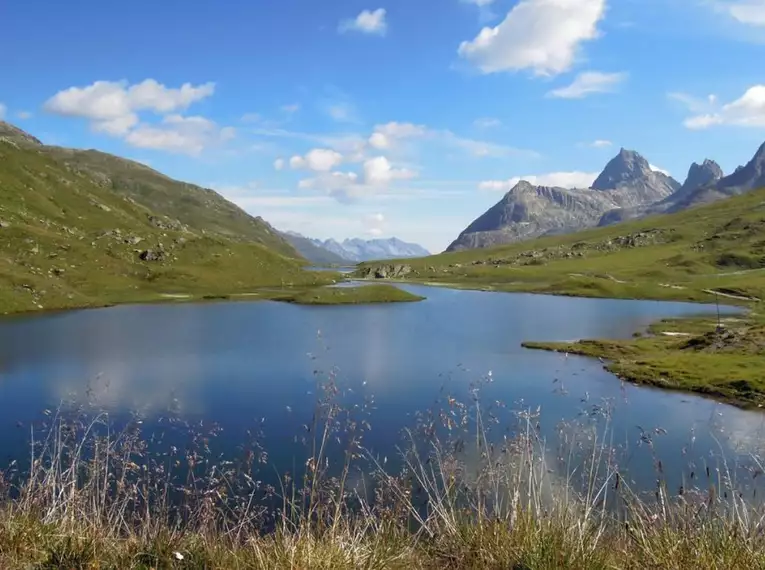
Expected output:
(370, 118)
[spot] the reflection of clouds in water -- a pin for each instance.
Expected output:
(376, 335)
(120, 367)
(744, 431)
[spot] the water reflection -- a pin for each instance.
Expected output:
(235, 362)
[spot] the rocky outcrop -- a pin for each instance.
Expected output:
(390, 271)
(627, 183)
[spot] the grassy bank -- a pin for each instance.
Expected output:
(691, 355)
(99, 496)
(369, 294)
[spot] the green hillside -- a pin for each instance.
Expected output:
(681, 256)
(82, 228)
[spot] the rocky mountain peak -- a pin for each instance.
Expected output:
(520, 187)
(750, 176)
(708, 172)
(625, 167)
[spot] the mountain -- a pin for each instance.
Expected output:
(704, 175)
(83, 228)
(528, 211)
(358, 250)
(631, 174)
(316, 254)
(704, 184)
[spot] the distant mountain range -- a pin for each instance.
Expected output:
(628, 188)
(351, 251)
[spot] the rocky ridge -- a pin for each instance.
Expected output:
(627, 188)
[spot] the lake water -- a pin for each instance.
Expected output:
(233, 362)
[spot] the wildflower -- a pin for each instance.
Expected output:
(178, 555)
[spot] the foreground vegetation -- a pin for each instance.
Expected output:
(354, 295)
(99, 496)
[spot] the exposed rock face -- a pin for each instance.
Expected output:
(704, 175)
(743, 179)
(529, 211)
(630, 173)
(747, 177)
(393, 271)
(708, 172)
(152, 255)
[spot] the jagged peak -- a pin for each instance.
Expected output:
(625, 166)
(521, 186)
(704, 174)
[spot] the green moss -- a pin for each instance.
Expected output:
(354, 295)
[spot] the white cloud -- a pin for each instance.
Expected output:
(541, 35)
(746, 111)
(251, 118)
(694, 104)
(379, 141)
(24, 115)
(378, 171)
(279, 164)
(574, 179)
(342, 112)
(751, 12)
(368, 22)
(599, 143)
(291, 108)
(318, 160)
(178, 134)
(374, 224)
(3, 111)
(117, 126)
(113, 107)
(657, 169)
(589, 82)
(377, 175)
(387, 135)
(487, 123)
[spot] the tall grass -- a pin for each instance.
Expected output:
(467, 490)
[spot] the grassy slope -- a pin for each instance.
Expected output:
(685, 256)
(721, 246)
(59, 246)
(197, 207)
(354, 296)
